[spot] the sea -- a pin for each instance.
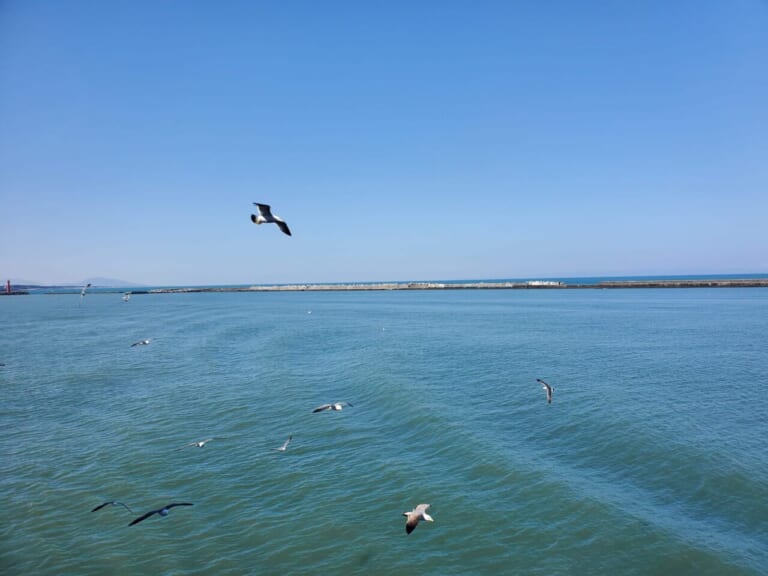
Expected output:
(650, 460)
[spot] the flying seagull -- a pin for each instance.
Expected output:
(265, 216)
(548, 388)
(113, 503)
(199, 444)
(334, 406)
(82, 292)
(141, 343)
(415, 515)
(162, 511)
(284, 447)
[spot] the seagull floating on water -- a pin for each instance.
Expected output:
(141, 343)
(126, 296)
(198, 444)
(549, 389)
(334, 406)
(418, 513)
(265, 216)
(162, 511)
(284, 447)
(112, 503)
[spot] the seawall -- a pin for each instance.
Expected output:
(535, 285)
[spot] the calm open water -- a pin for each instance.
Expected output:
(651, 460)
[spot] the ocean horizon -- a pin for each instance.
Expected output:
(582, 280)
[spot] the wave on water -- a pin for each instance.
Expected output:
(649, 460)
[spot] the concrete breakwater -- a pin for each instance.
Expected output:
(532, 285)
(731, 283)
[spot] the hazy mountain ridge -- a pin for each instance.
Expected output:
(96, 282)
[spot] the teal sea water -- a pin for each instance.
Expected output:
(651, 459)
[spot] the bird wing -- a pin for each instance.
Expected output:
(322, 408)
(410, 524)
(283, 226)
(178, 504)
(143, 517)
(264, 210)
(100, 506)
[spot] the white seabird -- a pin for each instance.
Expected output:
(198, 444)
(334, 406)
(141, 343)
(162, 511)
(265, 216)
(82, 292)
(549, 389)
(413, 517)
(284, 447)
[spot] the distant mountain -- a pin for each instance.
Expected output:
(109, 282)
(96, 282)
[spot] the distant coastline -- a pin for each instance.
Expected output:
(529, 285)
(704, 281)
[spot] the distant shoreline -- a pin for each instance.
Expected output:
(533, 285)
(388, 286)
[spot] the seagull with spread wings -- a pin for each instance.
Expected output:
(265, 216)
(284, 447)
(547, 388)
(334, 406)
(82, 292)
(415, 515)
(198, 444)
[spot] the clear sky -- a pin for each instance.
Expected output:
(400, 140)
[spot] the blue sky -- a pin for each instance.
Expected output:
(399, 140)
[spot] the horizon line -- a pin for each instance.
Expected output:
(115, 283)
